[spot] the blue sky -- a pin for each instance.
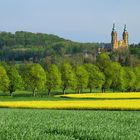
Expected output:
(78, 20)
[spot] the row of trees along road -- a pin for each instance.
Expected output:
(103, 75)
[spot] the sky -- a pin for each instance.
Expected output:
(77, 20)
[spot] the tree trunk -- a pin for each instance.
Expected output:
(79, 91)
(49, 92)
(102, 90)
(34, 94)
(64, 90)
(11, 93)
(11, 90)
(90, 90)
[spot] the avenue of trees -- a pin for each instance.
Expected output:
(104, 74)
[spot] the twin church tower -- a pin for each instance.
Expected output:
(121, 44)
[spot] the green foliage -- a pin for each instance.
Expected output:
(68, 125)
(82, 77)
(130, 78)
(116, 75)
(135, 50)
(34, 77)
(24, 72)
(137, 81)
(15, 79)
(96, 77)
(60, 48)
(4, 80)
(35, 46)
(50, 49)
(103, 61)
(68, 77)
(53, 78)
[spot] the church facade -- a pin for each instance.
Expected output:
(119, 44)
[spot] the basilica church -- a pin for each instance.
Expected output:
(119, 44)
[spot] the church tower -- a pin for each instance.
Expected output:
(119, 44)
(114, 41)
(125, 37)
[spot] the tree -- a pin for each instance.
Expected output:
(53, 78)
(117, 76)
(103, 61)
(15, 79)
(4, 80)
(34, 77)
(96, 77)
(114, 76)
(24, 72)
(137, 81)
(60, 48)
(129, 78)
(68, 77)
(82, 78)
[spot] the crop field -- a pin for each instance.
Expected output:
(41, 124)
(76, 105)
(71, 117)
(107, 101)
(119, 95)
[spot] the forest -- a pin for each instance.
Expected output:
(22, 46)
(44, 48)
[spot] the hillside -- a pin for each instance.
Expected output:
(27, 46)
(47, 49)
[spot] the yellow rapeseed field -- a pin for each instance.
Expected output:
(103, 95)
(80, 104)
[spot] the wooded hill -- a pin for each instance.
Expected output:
(26, 46)
(49, 49)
